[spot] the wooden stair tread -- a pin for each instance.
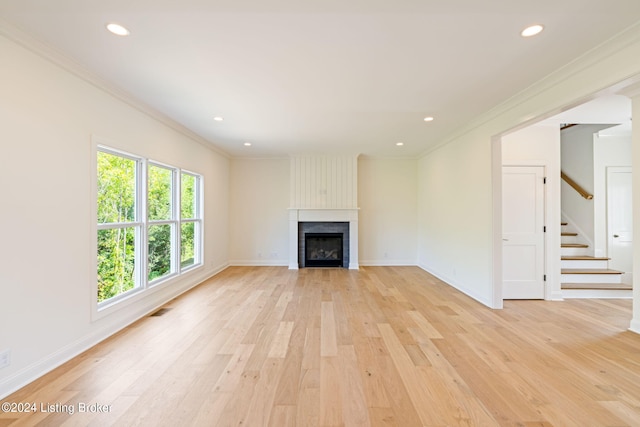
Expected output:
(573, 245)
(564, 223)
(613, 286)
(589, 271)
(569, 234)
(584, 258)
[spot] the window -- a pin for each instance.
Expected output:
(190, 222)
(119, 228)
(147, 222)
(161, 227)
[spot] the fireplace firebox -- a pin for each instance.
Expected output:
(323, 249)
(323, 244)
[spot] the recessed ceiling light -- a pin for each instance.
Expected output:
(218, 119)
(118, 29)
(399, 144)
(247, 144)
(428, 119)
(532, 30)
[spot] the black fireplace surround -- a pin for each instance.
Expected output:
(323, 244)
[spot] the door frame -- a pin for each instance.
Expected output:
(553, 291)
(608, 169)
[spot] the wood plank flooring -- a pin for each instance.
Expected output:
(382, 346)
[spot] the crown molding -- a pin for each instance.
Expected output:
(632, 91)
(70, 65)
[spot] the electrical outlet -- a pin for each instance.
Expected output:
(5, 358)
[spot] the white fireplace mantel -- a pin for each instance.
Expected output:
(297, 215)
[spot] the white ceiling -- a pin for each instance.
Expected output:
(332, 76)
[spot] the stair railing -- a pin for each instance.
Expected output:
(584, 193)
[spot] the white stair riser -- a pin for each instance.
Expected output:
(590, 278)
(568, 239)
(574, 251)
(573, 263)
(597, 293)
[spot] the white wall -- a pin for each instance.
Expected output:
(387, 197)
(455, 215)
(259, 199)
(47, 119)
(608, 150)
(259, 202)
(459, 192)
(539, 145)
(577, 162)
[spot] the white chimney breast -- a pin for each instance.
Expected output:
(324, 189)
(324, 182)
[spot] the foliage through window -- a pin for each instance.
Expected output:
(146, 223)
(118, 230)
(189, 219)
(161, 227)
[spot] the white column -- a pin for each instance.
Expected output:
(635, 155)
(353, 241)
(293, 239)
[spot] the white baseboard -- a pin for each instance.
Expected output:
(259, 263)
(556, 296)
(41, 367)
(635, 326)
(388, 262)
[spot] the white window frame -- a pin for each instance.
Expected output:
(196, 220)
(142, 224)
(138, 224)
(173, 222)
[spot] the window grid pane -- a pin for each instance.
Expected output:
(189, 189)
(159, 193)
(116, 261)
(160, 249)
(116, 188)
(188, 244)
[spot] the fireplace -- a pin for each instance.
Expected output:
(323, 244)
(326, 222)
(323, 250)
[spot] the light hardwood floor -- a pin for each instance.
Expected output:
(382, 346)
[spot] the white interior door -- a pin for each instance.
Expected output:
(523, 232)
(620, 221)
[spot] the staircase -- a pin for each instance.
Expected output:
(586, 276)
